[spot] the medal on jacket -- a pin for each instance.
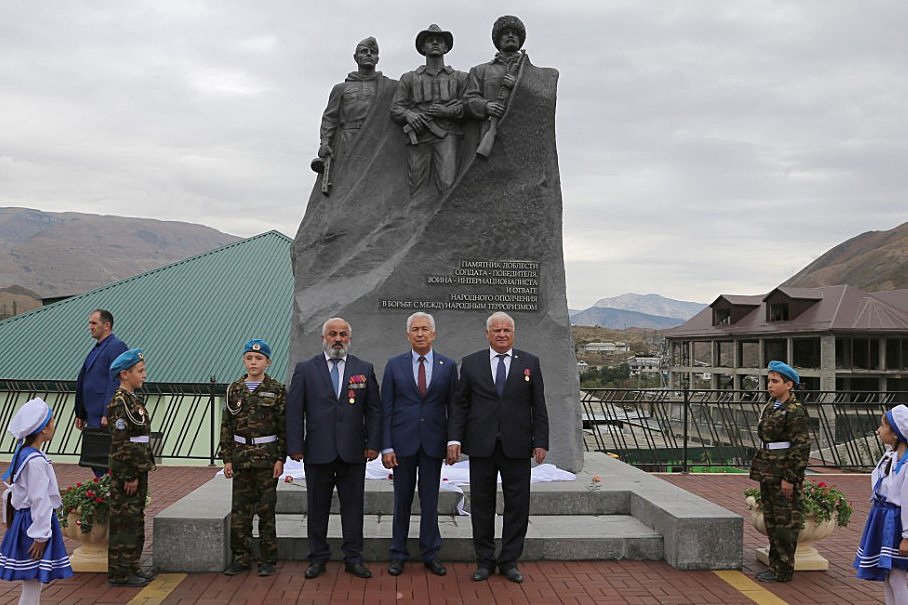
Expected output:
(352, 395)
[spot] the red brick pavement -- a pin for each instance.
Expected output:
(547, 582)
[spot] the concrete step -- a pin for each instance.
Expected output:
(545, 499)
(549, 537)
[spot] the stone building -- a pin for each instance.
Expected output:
(838, 337)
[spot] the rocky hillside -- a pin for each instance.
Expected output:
(61, 254)
(872, 261)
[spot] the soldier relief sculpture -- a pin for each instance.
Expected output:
(441, 192)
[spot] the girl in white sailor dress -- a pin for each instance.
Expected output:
(32, 550)
(883, 553)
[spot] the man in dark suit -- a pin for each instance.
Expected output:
(334, 426)
(95, 385)
(416, 391)
(499, 416)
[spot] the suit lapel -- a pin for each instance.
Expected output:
(515, 370)
(488, 370)
(97, 352)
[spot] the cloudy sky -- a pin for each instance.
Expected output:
(705, 147)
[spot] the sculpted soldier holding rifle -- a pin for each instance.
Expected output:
(349, 105)
(489, 85)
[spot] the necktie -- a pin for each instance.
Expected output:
(335, 377)
(500, 374)
(421, 377)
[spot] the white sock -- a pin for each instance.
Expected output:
(896, 587)
(31, 592)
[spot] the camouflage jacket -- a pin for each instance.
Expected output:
(128, 418)
(256, 414)
(788, 422)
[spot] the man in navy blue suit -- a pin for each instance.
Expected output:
(95, 385)
(500, 419)
(416, 392)
(334, 426)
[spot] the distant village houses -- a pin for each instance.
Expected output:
(603, 348)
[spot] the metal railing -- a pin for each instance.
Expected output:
(655, 429)
(188, 415)
(659, 429)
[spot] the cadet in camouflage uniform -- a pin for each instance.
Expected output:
(130, 461)
(779, 467)
(253, 448)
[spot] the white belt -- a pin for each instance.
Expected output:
(776, 445)
(139, 439)
(255, 440)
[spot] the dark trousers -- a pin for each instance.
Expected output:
(515, 487)
(405, 481)
(783, 523)
(254, 493)
(350, 480)
(127, 528)
(95, 423)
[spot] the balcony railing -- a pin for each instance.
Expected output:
(655, 429)
(188, 415)
(661, 429)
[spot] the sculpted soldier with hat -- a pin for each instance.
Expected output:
(489, 84)
(428, 105)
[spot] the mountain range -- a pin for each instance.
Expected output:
(64, 253)
(636, 310)
(55, 254)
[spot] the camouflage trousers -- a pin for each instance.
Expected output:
(254, 493)
(783, 523)
(127, 528)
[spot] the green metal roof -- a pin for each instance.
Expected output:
(191, 317)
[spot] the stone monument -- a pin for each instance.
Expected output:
(374, 252)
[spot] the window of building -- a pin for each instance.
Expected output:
(702, 353)
(680, 353)
(897, 353)
(721, 317)
(749, 354)
(865, 353)
(806, 352)
(842, 354)
(725, 354)
(778, 312)
(809, 383)
(725, 382)
(775, 349)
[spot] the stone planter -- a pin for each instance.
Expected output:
(92, 555)
(806, 556)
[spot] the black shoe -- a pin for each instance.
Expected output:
(512, 574)
(481, 574)
(436, 567)
(266, 569)
(235, 568)
(358, 569)
(146, 574)
(396, 567)
(770, 576)
(315, 569)
(130, 582)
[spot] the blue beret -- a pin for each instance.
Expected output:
(257, 345)
(785, 370)
(126, 360)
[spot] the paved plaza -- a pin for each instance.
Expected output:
(607, 582)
